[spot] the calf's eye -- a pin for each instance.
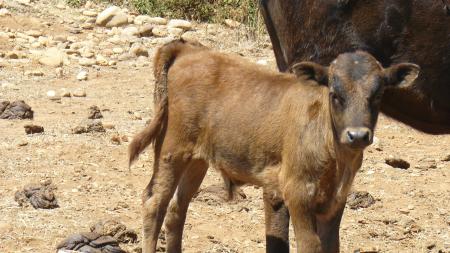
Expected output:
(336, 99)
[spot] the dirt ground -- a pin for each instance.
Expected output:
(410, 214)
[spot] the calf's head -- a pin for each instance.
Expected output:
(356, 83)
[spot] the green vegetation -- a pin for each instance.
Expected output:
(244, 11)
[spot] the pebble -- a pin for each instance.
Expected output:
(86, 62)
(105, 16)
(190, 36)
(65, 93)
(232, 23)
(117, 50)
(101, 60)
(4, 12)
(159, 31)
(179, 23)
(145, 31)
(33, 129)
(82, 75)
(157, 21)
(33, 33)
(176, 32)
(12, 55)
(89, 13)
(34, 73)
(51, 93)
(138, 50)
(79, 93)
(130, 31)
(52, 57)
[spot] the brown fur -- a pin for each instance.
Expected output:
(288, 134)
(393, 31)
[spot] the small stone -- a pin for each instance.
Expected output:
(94, 113)
(118, 20)
(4, 12)
(105, 16)
(33, 129)
(232, 23)
(136, 116)
(262, 62)
(51, 93)
(130, 31)
(82, 75)
(34, 73)
(145, 31)
(86, 62)
(52, 57)
(87, 26)
(159, 31)
(157, 21)
(101, 60)
(115, 139)
(79, 93)
(397, 163)
(89, 13)
(124, 138)
(22, 143)
(190, 36)
(60, 6)
(15, 110)
(446, 158)
(12, 55)
(179, 23)
(65, 93)
(109, 126)
(34, 33)
(117, 50)
(176, 32)
(138, 50)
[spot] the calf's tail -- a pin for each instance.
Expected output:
(164, 58)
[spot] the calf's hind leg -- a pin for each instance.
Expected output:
(176, 213)
(168, 167)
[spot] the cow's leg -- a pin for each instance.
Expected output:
(176, 214)
(329, 232)
(298, 198)
(277, 224)
(168, 168)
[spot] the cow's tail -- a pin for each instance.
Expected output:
(164, 58)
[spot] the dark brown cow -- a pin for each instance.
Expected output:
(391, 30)
(300, 138)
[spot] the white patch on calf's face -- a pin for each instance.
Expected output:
(311, 189)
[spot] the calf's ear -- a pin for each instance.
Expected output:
(311, 71)
(401, 75)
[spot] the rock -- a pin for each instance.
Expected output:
(12, 55)
(130, 31)
(179, 23)
(105, 16)
(143, 19)
(34, 73)
(115, 139)
(94, 113)
(176, 32)
(109, 126)
(79, 93)
(82, 75)
(138, 50)
(86, 62)
(446, 158)
(51, 93)
(145, 31)
(89, 13)
(397, 163)
(360, 199)
(87, 26)
(262, 62)
(33, 33)
(38, 195)
(65, 93)
(33, 129)
(15, 110)
(190, 36)
(117, 50)
(52, 57)
(118, 20)
(101, 60)
(159, 31)
(4, 12)
(232, 23)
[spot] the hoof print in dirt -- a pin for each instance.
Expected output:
(33, 129)
(397, 163)
(91, 243)
(360, 199)
(94, 112)
(115, 229)
(15, 110)
(38, 195)
(92, 127)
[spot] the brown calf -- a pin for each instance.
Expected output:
(299, 137)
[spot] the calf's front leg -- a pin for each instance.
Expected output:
(277, 224)
(329, 232)
(299, 202)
